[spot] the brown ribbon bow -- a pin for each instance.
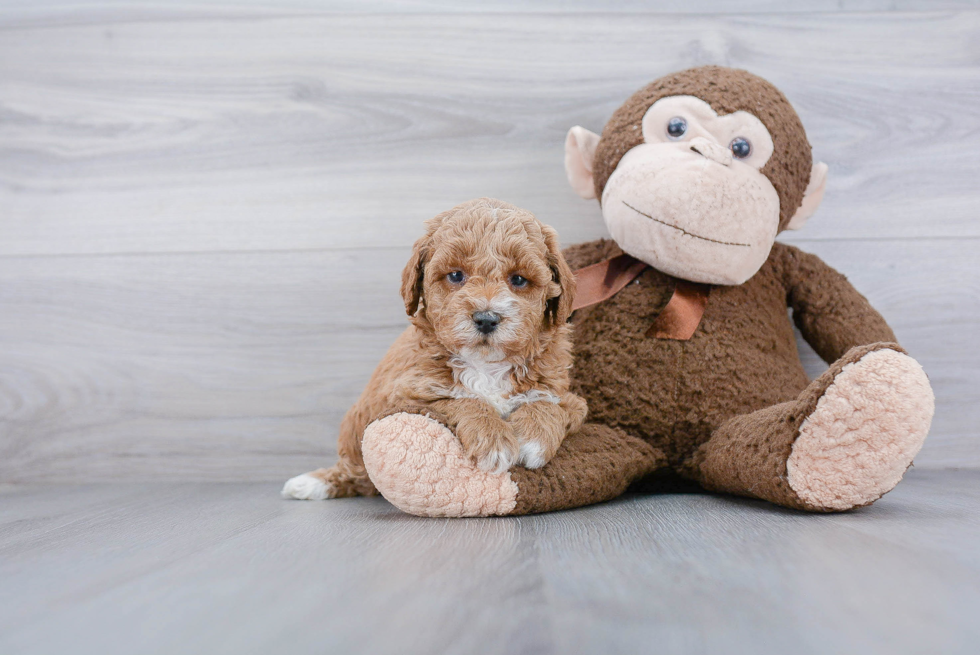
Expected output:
(679, 319)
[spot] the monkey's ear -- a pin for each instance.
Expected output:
(561, 290)
(811, 197)
(579, 152)
(413, 276)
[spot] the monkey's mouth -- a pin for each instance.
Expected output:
(683, 231)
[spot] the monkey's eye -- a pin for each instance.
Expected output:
(676, 127)
(518, 281)
(456, 277)
(741, 148)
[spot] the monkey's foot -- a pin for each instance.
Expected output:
(867, 426)
(418, 465)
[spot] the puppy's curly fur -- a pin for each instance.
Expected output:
(504, 388)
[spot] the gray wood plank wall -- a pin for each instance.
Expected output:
(204, 211)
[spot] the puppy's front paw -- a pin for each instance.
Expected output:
(531, 455)
(490, 443)
(497, 459)
(538, 437)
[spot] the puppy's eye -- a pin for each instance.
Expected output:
(741, 148)
(456, 277)
(676, 127)
(518, 281)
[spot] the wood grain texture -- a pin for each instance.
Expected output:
(340, 131)
(204, 212)
(67, 11)
(231, 568)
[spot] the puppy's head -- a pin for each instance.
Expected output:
(488, 280)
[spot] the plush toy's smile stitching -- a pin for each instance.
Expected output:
(680, 229)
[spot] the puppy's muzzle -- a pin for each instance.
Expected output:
(486, 322)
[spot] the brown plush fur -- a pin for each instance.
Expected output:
(722, 408)
(488, 241)
(750, 451)
(595, 464)
(727, 90)
(742, 358)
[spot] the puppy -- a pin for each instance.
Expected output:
(488, 294)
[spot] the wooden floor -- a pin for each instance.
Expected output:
(232, 568)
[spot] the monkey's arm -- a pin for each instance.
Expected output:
(830, 313)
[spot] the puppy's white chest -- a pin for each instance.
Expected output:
(493, 383)
(489, 381)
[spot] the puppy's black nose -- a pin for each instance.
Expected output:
(486, 322)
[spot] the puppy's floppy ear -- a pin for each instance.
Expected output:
(561, 291)
(413, 277)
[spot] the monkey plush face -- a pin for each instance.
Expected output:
(698, 172)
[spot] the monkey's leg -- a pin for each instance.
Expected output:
(845, 442)
(418, 464)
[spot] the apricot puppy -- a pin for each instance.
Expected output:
(488, 294)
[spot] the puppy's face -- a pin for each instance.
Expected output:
(487, 288)
(490, 281)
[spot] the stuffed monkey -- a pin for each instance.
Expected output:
(684, 349)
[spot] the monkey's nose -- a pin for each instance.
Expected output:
(486, 322)
(711, 150)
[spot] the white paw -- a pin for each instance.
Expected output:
(496, 461)
(305, 487)
(531, 455)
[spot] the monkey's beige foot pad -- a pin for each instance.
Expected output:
(418, 465)
(866, 428)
